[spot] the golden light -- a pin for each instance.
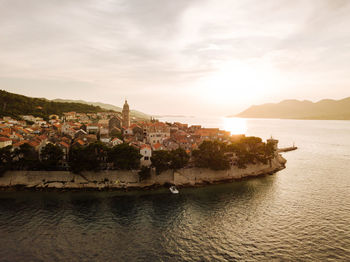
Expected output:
(238, 82)
(237, 126)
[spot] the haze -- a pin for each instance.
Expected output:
(199, 57)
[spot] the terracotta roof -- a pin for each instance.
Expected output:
(64, 144)
(81, 142)
(33, 143)
(145, 146)
(157, 146)
(5, 134)
(18, 144)
(4, 139)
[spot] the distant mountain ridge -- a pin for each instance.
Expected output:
(133, 113)
(326, 109)
(14, 105)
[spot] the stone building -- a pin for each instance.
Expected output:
(114, 122)
(126, 115)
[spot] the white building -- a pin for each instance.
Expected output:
(105, 140)
(146, 152)
(116, 141)
(92, 129)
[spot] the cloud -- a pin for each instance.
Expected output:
(161, 49)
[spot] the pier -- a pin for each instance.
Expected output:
(287, 149)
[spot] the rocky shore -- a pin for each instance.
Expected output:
(116, 179)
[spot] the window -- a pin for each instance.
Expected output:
(146, 157)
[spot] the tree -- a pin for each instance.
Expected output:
(27, 158)
(95, 155)
(178, 158)
(91, 157)
(144, 173)
(115, 133)
(124, 157)
(251, 150)
(6, 159)
(76, 158)
(211, 154)
(51, 155)
(161, 160)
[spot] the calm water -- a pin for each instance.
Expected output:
(301, 213)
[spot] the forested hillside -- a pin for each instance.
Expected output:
(14, 105)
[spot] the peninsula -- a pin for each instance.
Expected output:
(112, 150)
(326, 109)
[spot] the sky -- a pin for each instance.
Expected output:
(183, 57)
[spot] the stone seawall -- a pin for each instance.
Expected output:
(130, 179)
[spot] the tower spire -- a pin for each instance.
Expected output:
(126, 114)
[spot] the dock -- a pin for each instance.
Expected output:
(287, 149)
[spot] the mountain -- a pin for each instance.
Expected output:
(326, 109)
(15, 105)
(133, 113)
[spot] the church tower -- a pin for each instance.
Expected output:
(126, 115)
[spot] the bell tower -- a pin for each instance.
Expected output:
(126, 115)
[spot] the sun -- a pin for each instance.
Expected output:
(237, 126)
(237, 81)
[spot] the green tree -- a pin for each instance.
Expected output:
(6, 159)
(76, 161)
(251, 150)
(115, 133)
(26, 157)
(125, 157)
(178, 158)
(95, 155)
(51, 155)
(144, 173)
(211, 154)
(91, 157)
(161, 160)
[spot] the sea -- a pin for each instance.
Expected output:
(301, 213)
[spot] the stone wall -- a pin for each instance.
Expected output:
(193, 176)
(130, 179)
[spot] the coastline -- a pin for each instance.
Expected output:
(129, 180)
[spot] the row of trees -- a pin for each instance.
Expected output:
(216, 155)
(248, 150)
(163, 160)
(96, 156)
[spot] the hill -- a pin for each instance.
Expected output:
(133, 113)
(14, 105)
(326, 109)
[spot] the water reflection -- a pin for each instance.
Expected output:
(85, 209)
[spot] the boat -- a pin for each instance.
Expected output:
(173, 190)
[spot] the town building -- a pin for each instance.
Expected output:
(146, 152)
(4, 142)
(126, 115)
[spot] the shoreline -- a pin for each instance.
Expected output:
(65, 181)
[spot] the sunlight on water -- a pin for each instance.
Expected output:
(236, 126)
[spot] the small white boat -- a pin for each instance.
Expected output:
(173, 190)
